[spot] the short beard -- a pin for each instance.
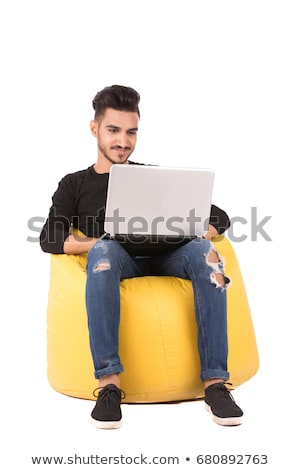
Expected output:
(107, 157)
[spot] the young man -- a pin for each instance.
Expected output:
(79, 201)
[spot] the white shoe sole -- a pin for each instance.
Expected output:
(106, 424)
(231, 421)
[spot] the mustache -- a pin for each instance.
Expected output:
(117, 147)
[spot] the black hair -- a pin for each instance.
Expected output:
(117, 97)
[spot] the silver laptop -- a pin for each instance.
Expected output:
(152, 209)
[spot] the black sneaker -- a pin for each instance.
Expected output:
(219, 401)
(107, 411)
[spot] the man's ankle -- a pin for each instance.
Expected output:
(208, 383)
(109, 379)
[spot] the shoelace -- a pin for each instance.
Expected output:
(107, 390)
(224, 390)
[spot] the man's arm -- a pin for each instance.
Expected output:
(219, 222)
(57, 226)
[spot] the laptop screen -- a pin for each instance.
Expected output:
(158, 201)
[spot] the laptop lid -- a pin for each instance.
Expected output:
(158, 201)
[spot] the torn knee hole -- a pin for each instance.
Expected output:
(213, 256)
(218, 279)
(102, 265)
(217, 276)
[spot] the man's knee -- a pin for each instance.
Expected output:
(217, 276)
(104, 254)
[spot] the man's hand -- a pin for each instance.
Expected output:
(76, 245)
(212, 232)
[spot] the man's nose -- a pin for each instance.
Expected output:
(123, 140)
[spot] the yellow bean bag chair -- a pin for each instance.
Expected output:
(158, 334)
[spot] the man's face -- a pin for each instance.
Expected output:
(116, 133)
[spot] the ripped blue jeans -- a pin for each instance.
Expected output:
(108, 263)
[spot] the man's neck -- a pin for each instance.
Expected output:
(104, 165)
(100, 168)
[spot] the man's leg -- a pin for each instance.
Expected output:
(199, 261)
(108, 263)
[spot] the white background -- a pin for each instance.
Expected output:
(219, 84)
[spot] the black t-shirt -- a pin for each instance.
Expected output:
(79, 202)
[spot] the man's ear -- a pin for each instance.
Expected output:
(94, 127)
